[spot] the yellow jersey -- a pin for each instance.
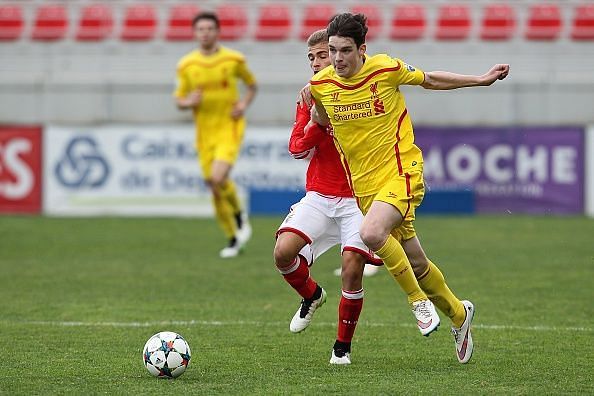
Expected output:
(372, 128)
(216, 76)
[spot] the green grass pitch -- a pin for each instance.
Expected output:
(80, 297)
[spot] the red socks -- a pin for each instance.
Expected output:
(349, 309)
(298, 277)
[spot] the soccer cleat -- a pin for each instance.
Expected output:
(232, 250)
(244, 232)
(462, 336)
(427, 317)
(341, 353)
(340, 357)
(308, 306)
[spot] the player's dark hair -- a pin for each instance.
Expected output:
(317, 37)
(349, 25)
(207, 15)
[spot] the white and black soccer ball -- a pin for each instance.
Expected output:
(166, 355)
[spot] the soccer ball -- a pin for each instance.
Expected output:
(166, 355)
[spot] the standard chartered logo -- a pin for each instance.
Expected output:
(352, 107)
(83, 164)
(352, 111)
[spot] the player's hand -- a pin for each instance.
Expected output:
(238, 110)
(318, 118)
(497, 72)
(194, 98)
(305, 98)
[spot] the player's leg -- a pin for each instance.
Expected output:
(350, 306)
(225, 186)
(377, 225)
(293, 266)
(221, 208)
(295, 249)
(355, 255)
(389, 208)
(433, 284)
(349, 219)
(226, 154)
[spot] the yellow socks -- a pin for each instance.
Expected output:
(433, 283)
(397, 263)
(229, 193)
(224, 216)
(227, 205)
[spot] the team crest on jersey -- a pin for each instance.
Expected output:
(378, 104)
(378, 107)
(409, 68)
(373, 89)
(334, 96)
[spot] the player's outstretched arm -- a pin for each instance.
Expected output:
(441, 80)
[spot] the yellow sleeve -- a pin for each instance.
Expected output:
(244, 73)
(182, 84)
(406, 74)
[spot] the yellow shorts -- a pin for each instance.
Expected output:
(405, 193)
(225, 147)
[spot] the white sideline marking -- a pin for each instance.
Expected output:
(280, 324)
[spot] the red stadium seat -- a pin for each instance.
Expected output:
(95, 24)
(374, 19)
(234, 22)
(51, 23)
(179, 24)
(453, 22)
(583, 23)
(140, 23)
(544, 22)
(11, 23)
(274, 23)
(408, 22)
(315, 17)
(499, 22)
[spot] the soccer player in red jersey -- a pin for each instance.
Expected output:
(326, 216)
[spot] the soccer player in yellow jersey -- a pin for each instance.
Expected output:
(207, 84)
(359, 95)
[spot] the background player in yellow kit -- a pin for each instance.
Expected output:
(207, 81)
(359, 96)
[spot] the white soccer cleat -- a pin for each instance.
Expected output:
(340, 357)
(463, 336)
(337, 271)
(230, 251)
(244, 233)
(426, 315)
(303, 316)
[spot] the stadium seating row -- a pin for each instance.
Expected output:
(276, 22)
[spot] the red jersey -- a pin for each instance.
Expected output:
(325, 173)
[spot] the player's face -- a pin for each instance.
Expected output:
(346, 58)
(318, 57)
(206, 32)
